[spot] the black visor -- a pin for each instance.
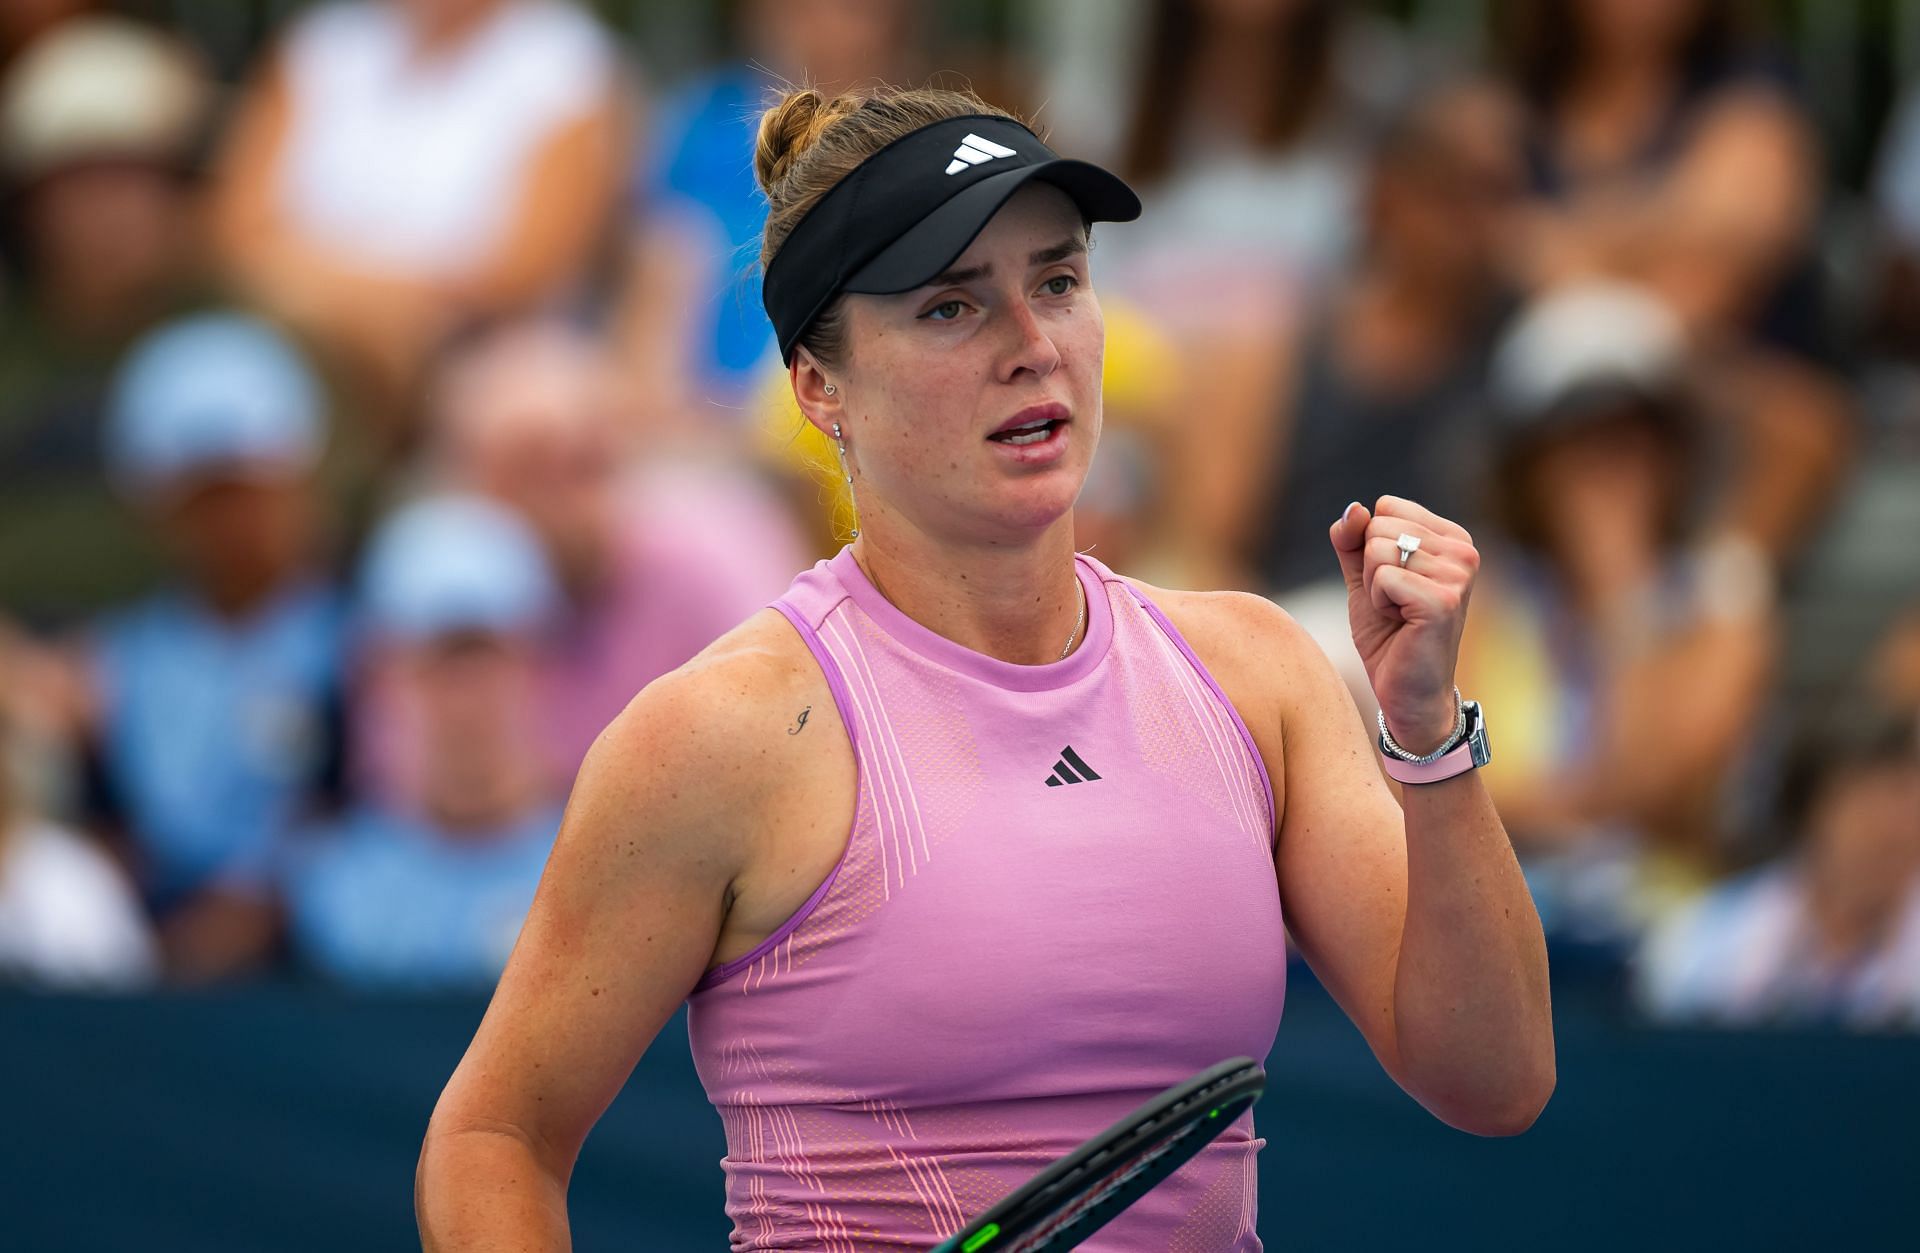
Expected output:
(909, 211)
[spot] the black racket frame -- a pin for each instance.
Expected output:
(1183, 1110)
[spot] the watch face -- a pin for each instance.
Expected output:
(1477, 743)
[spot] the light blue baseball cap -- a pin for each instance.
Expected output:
(455, 563)
(215, 391)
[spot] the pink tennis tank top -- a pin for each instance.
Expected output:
(1057, 899)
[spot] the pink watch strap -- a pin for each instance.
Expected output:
(1457, 761)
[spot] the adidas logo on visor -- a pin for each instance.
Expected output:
(974, 150)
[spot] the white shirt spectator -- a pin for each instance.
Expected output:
(1232, 233)
(414, 162)
(67, 917)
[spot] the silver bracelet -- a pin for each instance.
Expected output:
(1453, 741)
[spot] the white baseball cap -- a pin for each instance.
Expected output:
(1582, 340)
(100, 87)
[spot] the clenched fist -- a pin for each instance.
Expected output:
(1407, 619)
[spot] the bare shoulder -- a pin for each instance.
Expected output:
(665, 820)
(717, 737)
(755, 668)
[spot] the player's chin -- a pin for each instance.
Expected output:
(1032, 506)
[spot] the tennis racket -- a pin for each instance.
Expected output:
(1080, 1193)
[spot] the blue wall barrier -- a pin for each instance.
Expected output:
(289, 1116)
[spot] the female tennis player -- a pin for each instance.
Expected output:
(968, 844)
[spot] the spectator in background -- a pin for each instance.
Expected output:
(68, 917)
(97, 122)
(1246, 134)
(406, 167)
(1830, 933)
(1896, 196)
(1387, 387)
(455, 592)
(1250, 124)
(656, 554)
(1632, 669)
(691, 326)
(1665, 148)
(216, 701)
(429, 890)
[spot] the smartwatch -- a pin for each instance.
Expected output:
(1467, 750)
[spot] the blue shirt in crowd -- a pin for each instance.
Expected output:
(705, 141)
(216, 735)
(377, 899)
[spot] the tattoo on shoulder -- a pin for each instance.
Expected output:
(801, 724)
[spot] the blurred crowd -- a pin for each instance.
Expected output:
(385, 398)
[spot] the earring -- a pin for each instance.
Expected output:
(841, 440)
(845, 469)
(831, 389)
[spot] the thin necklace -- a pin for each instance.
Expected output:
(1080, 619)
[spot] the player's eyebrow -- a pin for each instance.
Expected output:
(954, 278)
(1059, 252)
(1044, 256)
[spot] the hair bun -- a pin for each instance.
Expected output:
(790, 127)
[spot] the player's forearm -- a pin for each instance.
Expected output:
(1472, 1012)
(481, 1190)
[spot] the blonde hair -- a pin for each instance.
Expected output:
(808, 142)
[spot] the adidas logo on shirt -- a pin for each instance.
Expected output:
(973, 151)
(1070, 769)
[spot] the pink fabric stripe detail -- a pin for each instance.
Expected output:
(1244, 777)
(959, 1215)
(842, 701)
(1248, 784)
(1250, 1196)
(1246, 736)
(798, 1164)
(897, 758)
(1233, 764)
(1217, 737)
(943, 1212)
(1218, 733)
(890, 813)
